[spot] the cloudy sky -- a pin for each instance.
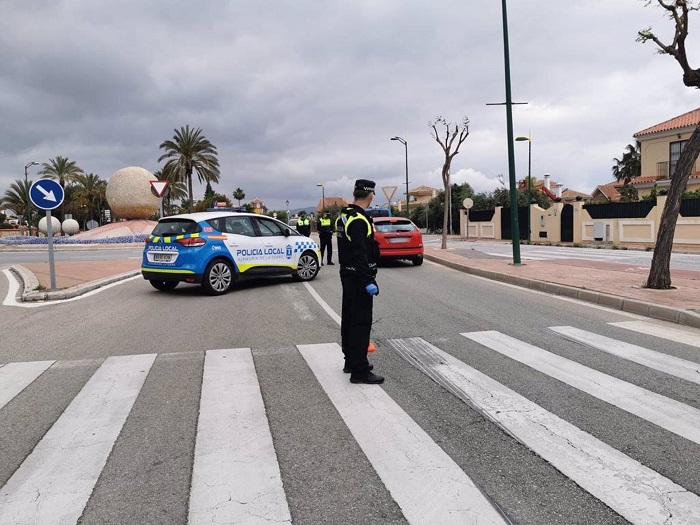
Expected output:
(299, 92)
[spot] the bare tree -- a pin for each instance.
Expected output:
(453, 132)
(677, 11)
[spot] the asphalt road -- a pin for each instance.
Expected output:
(329, 473)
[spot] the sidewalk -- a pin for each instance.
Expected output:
(614, 285)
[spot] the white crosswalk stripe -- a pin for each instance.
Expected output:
(428, 486)
(633, 490)
(688, 370)
(15, 377)
(55, 481)
(662, 411)
(672, 334)
(235, 478)
(238, 472)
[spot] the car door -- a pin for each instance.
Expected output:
(278, 250)
(246, 247)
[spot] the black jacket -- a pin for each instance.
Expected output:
(358, 252)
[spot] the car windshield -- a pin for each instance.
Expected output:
(168, 227)
(394, 226)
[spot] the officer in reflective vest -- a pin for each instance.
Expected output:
(304, 224)
(358, 253)
(325, 234)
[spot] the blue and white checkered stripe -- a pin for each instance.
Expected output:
(300, 246)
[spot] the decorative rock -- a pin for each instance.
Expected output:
(129, 193)
(70, 226)
(55, 226)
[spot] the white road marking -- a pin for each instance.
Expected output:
(425, 482)
(54, 482)
(675, 366)
(235, 477)
(13, 288)
(15, 377)
(636, 492)
(298, 305)
(323, 303)
(667, 413)
(678, 335)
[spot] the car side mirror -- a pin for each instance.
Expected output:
(287, 232)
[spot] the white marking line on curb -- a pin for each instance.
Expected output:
(425, 482)
(636, 492)
(55, 481)
(15, 377)
(665, 332)
(667, 413)
(675, 366)
(323, 303)
(235, 477)
(13, 288)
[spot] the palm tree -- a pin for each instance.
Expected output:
(239, 195)
(177, 190)
(17, 197)
(90, 189)
(62, 170)
(188, 151)
(629, 166)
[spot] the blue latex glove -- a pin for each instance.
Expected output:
(372, 289)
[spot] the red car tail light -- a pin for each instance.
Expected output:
(192, 241)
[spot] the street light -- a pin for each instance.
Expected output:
(405, 145)
(323, 195)
(529, 178)
(29, 204)
(286, 203)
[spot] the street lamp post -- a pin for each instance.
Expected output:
(405, 145)
(286, 203)
(29, 204)
(529, 180)
(323, 195)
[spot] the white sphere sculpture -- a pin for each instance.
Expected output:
(129, 193)
(70, 226)
(55, 226)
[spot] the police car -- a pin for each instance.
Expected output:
(215, 249)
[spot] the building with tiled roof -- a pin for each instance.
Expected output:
(661, 146)
(606, 193)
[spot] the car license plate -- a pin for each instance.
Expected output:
(162, 257)
(398, 240)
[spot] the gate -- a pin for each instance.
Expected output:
(522, 223)
(567, 223)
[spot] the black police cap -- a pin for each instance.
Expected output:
(365, 185)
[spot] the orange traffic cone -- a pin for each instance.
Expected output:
(371, 347)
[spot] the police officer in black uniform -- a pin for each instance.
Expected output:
(304, 224)
(325, 234)
(358, 254)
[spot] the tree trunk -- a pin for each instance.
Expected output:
(445, 215)
(189, 189)
(660, 273)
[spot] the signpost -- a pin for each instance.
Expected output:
(468, 203)
(160, 189)
(47, 194)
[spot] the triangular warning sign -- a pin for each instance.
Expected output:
(159, 187)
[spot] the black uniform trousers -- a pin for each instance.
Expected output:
(356, 324)
(326, 239)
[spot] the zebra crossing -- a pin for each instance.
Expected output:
(235, 470)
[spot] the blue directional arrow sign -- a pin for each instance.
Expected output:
(46, 194)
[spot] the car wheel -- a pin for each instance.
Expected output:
(218, 277)
(164, 286)
(307, 267)
(417, 261)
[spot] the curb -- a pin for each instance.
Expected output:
(30, 283)
(616, 302)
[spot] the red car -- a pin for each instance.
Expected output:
(398, 238)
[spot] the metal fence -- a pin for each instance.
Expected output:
(620, 210)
